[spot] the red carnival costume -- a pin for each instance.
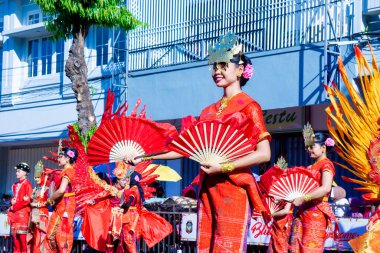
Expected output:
(19, 212)
(280, 233)
(40, 214)
(227, 200)
(117, 138)
(59, 237)
(137, 221)
(313, 217)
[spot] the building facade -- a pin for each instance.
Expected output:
(293, 45)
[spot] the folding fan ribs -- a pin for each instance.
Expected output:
(294, 184)
(216, 141)
(126, 137)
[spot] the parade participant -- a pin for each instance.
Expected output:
(314, 213)
(280, 230)
(40, 214)
(59, 237)
(227, 199)
(281, 211)
(20, 209)
(104, 210)
(137, 221)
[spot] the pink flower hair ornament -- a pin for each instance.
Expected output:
(329, 142)
(70, 154)
(248, 71)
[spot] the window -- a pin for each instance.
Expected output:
(119, 50)
(60, 47)
(42, 53)
(102, 36)
(1, 26)
(32, 58)
(33, 18)
(46, 56)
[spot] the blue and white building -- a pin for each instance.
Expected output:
(293, 45)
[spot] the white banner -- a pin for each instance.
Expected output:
(4, 225)
(258, 233)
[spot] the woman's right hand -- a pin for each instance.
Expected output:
(369, 225)
(134, 161)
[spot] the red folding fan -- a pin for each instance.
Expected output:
(296, 183)
(126, 137)
(216, 141)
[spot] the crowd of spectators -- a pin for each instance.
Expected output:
(351, 207)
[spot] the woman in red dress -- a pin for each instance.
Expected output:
(314, 213)
(59, 236)
(228, 192)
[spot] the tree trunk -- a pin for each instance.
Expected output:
(76, 70)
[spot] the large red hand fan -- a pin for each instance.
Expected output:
(127, 137)
(217, 141)
(296, 183)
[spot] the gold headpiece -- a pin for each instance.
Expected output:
(281, 162)
(308, 135)
(224, 50)
(59, 147)
(38, 169)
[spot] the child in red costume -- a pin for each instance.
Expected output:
(40, 214)
(19, 212)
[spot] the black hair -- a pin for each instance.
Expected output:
(134, 182)
(104, 176)
(320, 138)
(65, 153)
(246, 61)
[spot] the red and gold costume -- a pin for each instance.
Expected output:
(280, 233)
(226, 200)
(19, 214)
(313, 217)
(137, 222)
(59, 237)
(368, 242)
(116, 223)
(102, 222)
(39, 219)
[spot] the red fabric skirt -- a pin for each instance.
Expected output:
(223, 216)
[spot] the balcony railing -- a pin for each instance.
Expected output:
(179, 35)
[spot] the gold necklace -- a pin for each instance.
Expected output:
(223, 105)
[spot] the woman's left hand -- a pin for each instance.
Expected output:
(298, 201)
(211, 168)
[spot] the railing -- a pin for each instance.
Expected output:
(260, 25)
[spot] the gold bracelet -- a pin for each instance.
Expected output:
(227, 167)
(307, 197)
(50, 201)
(147, 158)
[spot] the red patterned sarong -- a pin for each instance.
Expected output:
(224, 216)
(280, 233)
